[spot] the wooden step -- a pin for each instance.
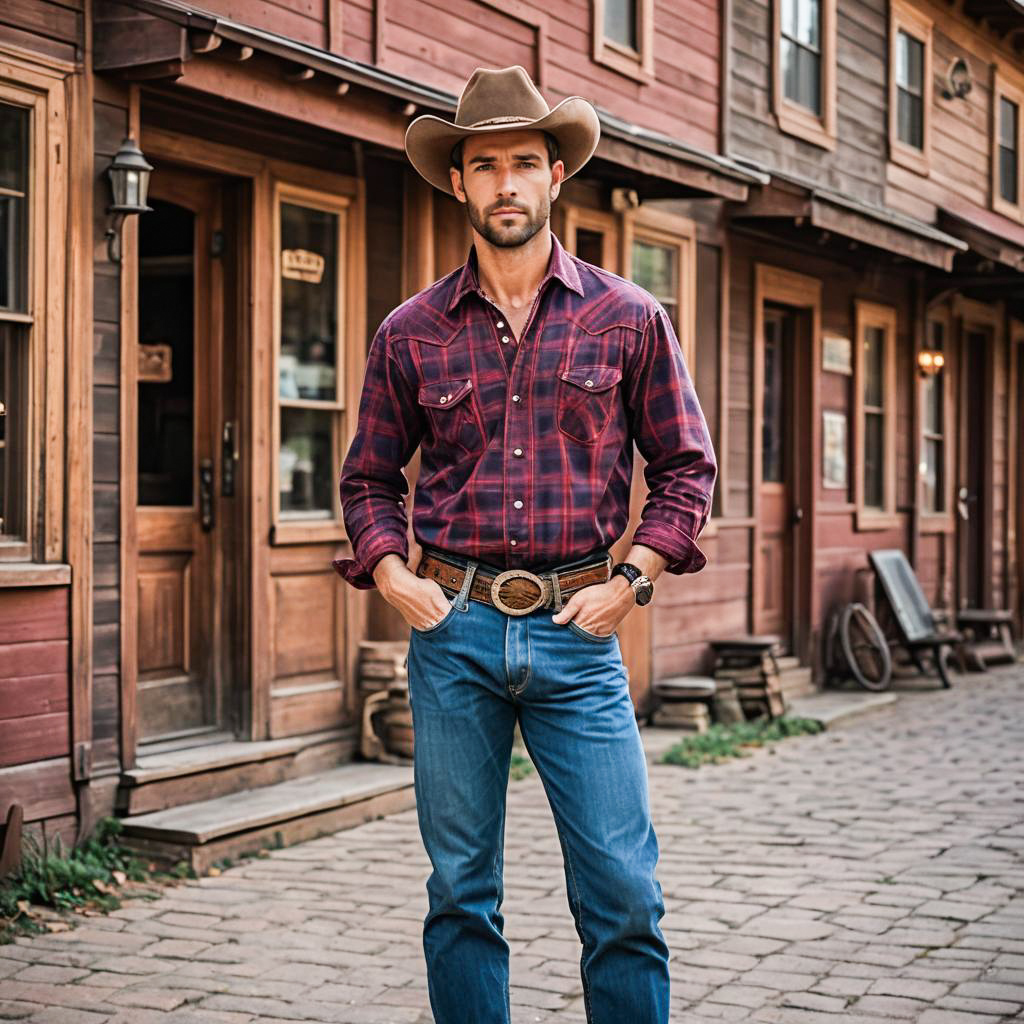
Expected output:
(165, 776)
(269, 816)
(796, 681)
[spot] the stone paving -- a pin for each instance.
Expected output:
(873, 873)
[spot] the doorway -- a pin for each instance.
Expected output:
(186, 454)
(975, 491)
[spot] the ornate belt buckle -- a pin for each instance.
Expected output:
(516, 574)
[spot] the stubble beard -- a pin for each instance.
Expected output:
(508, 237)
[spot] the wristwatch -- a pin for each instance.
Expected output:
(643, 586)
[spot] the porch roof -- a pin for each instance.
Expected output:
(803, 202)
(989, 235)
(173, 32)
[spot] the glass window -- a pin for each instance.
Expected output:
(620, 22)
(13, 201)
(656, 268)
(13, 431)
(933, 417)
(1009, 150)
(800, 53)
(910, 90)
(773, 426)
(874, 341)
(308, 385)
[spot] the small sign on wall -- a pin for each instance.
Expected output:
(155, 363)
(836, 354)
(302, 265)
(833, 448)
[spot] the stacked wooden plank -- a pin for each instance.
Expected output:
(387, 717)
(685, 703)
(751, 665)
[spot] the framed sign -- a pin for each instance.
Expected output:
(836, 354)
(833, 447)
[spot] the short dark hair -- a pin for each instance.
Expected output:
(550, 140)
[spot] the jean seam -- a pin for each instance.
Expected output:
(579, 905)
(592, 637)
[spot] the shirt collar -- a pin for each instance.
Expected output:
(560, 266)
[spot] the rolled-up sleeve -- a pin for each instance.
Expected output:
(671, 433)
(372, 484)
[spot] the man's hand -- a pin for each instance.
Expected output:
(598, 608)
(421, 602)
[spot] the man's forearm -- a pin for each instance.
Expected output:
(646, 559)
(387, 571)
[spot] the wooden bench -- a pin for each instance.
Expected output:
(989, 635)
(918, 630)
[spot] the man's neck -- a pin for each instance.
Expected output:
(512, 276)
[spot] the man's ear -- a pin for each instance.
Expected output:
(456, 175)
(557, 177)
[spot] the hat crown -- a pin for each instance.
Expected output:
(491, 97)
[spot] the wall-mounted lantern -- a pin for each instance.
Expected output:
(129, 183)
(958, 80)
(930, 361)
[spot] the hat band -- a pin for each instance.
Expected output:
(509, 119)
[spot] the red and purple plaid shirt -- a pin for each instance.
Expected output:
(526, 448)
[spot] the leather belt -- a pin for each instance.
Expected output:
(515, 591)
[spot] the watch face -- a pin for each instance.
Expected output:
(644, 594)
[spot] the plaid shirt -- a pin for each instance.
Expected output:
(526, 449)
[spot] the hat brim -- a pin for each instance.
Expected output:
(429, 140)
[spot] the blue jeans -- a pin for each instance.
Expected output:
(471, 677)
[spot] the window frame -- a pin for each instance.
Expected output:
(1011, 88)
(792, 117)
(907, 19)
(287, 529)
(638, 64)
(42, 92)
(932, 521)
(875, 315)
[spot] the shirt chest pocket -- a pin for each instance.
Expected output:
(587, 397)
(454, 415)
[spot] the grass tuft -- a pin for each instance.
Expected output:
(722, 742)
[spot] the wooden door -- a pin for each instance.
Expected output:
(778, 465)
(179, 426)
(974, 496)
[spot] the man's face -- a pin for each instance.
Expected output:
(507, 185)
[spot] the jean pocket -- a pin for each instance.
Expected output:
(594, 638)
(438, 625)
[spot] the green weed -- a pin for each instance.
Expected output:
(722, 742)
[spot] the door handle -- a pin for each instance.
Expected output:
(206, 494)
(798, 515)
(229, 459)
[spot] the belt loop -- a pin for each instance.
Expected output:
(556, 591)
(462, 600)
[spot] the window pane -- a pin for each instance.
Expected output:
(655, 267)
(910, 119)
(874, 361)
(14, 182)
(309, 303)
(801, 21)
(774, 425)
(874, 487)
(1009, 117)
(13, 431)
(933, 404)
(801, 75)
(305, 463)
(909, 63)
(620, 22)
(932, 485)
(167, 330)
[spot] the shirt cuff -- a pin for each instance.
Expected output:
(358, 571)
(681, 551)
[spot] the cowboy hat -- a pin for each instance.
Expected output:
(497, 101)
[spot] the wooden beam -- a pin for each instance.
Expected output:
(204, 42)
(297, 73)
(235, 51)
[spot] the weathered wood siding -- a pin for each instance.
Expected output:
(53, 27)
(440, 42)
(857, 165)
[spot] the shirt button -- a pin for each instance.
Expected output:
(517, 451)
(515, 398)
(589, 383)
(504, 339)
(512, 541)
(501, 323)
(443, 399)
(517, 504)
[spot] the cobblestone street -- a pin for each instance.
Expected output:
(871, 873)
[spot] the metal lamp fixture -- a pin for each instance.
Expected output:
(958, 80)
(129, 182)
(930, 361)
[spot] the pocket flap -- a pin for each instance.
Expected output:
(593, 378)
(445, 393)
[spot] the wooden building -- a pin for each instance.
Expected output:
(180, 387)
(813, 193)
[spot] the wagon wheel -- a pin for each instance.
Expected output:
(865, 648)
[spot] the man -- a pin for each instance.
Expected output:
(525, 377)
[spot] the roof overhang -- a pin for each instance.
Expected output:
(805, 205)
(989, 241)
(171, 40)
